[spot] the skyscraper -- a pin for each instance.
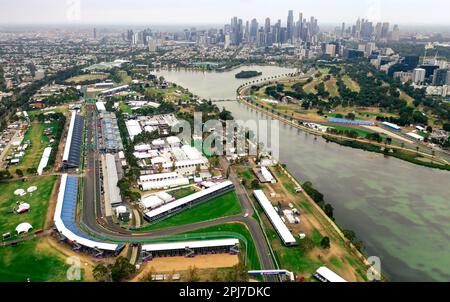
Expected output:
(290, 26)
(253, 30)
(385, 30)
(418, 75)
(440, 77)
(267, 26)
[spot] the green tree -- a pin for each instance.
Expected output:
(255, 184)
(19, 172)
(122, 269)
(329, 210)
(307, 244)
(325, 242)
(238, 273)
(101, 273)
(192, 274)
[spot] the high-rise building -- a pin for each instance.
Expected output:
(369, 48)
(411, 61)
(290, 26)
(440, 77)
(418, 76)
(395, 33)
(267, 26)
(385, 30)
(253, 30)
(95, 34)
(330, 49)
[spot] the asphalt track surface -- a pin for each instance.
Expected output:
(93, 223)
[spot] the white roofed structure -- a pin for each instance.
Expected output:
(274, 218)
(100, 106)
(189, 244)
(111, 179)
(180, 203)
(133, 127)
(24, 228)
(324, 274)
(44, 160)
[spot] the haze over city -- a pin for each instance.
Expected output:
(217, 12)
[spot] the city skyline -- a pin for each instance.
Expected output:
(206, 12)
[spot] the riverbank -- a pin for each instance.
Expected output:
(418, 158)
(411, 157)
(304, 259)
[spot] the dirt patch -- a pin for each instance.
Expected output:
(50, 246)
(178, 264)
(52, 205)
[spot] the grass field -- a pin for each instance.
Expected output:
(31, 259)
(222, 206)
(183, 192)
(34, 152)
(331, 87)
(87, 77)
(361, 133)
(253, 261)
(38, 201)
(311, 87)
(125, 108)
(352, 85)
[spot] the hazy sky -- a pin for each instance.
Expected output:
(219, 11)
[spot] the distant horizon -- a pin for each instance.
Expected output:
(130, 25)
(206, 12)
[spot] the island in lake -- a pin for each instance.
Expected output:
(247, 74)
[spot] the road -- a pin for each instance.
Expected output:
(94, 223)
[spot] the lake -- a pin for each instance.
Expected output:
(400, 210)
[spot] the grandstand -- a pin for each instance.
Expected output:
(350, 122)
(190, 248)
(72, 150)
(174, 207)
(65, 222)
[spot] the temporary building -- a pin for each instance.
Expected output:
(31, 189)
(19, 192)
(23, 207)
(23, 228)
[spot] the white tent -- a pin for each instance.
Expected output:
(19, 192)
(23, 228)
(23, 207)
(31, 189)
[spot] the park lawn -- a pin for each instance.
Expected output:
(183, 192)
(293, 259)
(222, 206)
(29, 260)
(126, 79)
(404, 96)
(64, 109)
(125, 108)
(87, 77)
(351, 84)
(38, 201)
(331, 87)
(311, 87)
(361, 133)
(33, 154)
(229, 228)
